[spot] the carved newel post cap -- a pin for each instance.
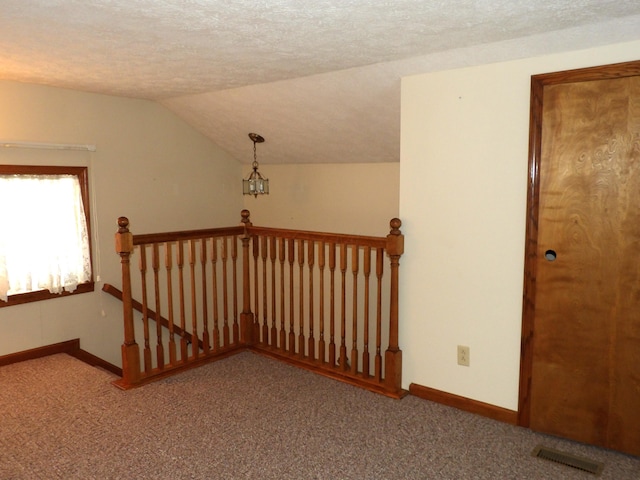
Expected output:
(123, 224)
(395, 225)
(245, 215)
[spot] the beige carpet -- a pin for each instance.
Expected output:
(252, 417)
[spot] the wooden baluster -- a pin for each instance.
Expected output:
(393, 355)
(206, 344)
(292, 335)
(184, 353)
(332, 303)
(168, 263)
(256, 289)
(130, 349)
(156, 286)
(311, 260)
(378, 358)
(225, 285)
(246, 317)
(321, 343)
(283, 331)
(344, 364)
(234, 260)
(301, 345)
(148, 364)
(355, 267)
(265, 322)
(367, 273)
(214, 294)
(272, 253)
(195, 350)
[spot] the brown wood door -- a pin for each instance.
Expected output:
(581, 356)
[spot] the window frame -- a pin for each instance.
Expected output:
(83, 177)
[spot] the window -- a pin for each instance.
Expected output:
(45, 244)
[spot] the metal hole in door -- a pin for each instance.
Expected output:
(550, 255)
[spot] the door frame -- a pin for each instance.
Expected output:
(538, 82)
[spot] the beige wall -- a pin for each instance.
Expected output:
(149, 166)
(341, 198)
(463, 184)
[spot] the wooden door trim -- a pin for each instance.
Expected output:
(538, 82)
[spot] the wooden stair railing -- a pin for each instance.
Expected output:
(313, 303)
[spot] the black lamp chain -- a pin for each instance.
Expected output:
(255, 161)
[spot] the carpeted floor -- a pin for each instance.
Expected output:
(250, 417)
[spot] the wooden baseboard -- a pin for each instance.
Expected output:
(94, 361)
(463, 403)
(314, 367)
(70, 347)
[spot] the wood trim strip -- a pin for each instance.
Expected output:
(463, 403)
(91, 359)
(70, 347)
(531, 249)
(28, 297)
(169, 370)
(336, 373)
(587, 74)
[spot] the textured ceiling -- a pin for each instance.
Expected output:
(319, 80)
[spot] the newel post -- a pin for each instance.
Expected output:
(130, 349)
(393, 355)
(246, 317)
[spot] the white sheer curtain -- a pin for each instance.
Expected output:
(44, 243)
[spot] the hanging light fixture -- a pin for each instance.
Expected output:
(255, 184)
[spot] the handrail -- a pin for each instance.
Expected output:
(373, 242)
(114, 292)
(163, 237)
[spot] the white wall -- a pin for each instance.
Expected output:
(149, 166)
(463, 185)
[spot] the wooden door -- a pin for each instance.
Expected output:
(581, 337)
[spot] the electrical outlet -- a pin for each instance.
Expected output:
(463, 355)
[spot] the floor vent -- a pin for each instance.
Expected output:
(581, 463)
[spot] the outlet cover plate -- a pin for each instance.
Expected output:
(463, 355)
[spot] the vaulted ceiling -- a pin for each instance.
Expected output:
(319, 80)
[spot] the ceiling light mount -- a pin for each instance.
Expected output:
(255, 184)
(255, 138)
